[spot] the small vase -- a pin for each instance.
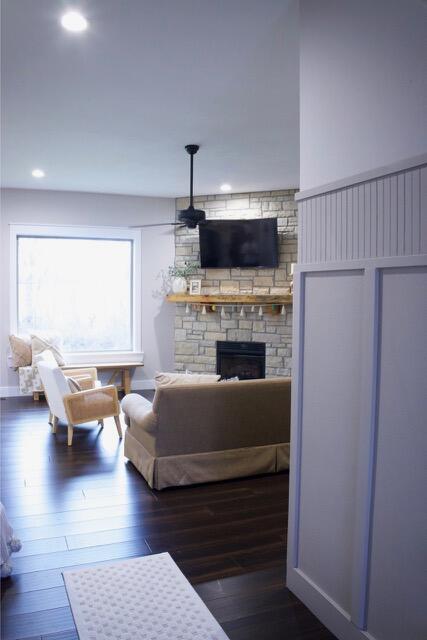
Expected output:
(179, 285)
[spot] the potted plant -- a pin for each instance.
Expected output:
(179, 275)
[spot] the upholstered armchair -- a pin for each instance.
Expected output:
(86, 403)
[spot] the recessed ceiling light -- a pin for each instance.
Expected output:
(74, 21)
(38, 173)
(225, 187)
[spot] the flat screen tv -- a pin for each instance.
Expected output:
(238, 243)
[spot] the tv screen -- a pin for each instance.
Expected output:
(238, 243)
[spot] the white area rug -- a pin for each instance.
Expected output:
(144, 598)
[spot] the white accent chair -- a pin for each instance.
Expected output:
(81, 406)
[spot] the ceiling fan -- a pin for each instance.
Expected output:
(189, 217)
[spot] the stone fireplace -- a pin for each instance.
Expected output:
(197, 333)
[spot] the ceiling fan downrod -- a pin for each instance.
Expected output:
(191, 217)
(191, 149)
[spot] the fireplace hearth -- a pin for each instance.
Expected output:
(246, 360)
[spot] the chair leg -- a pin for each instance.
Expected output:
(54, 424)
(101, 423)
(70, 434)
(50, 418)
(119, 426)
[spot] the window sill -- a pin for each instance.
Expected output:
(102, 357)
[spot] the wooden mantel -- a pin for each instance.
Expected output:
(228, 298)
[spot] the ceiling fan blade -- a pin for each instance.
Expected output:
(156, 224)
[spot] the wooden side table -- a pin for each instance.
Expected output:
(120, 372)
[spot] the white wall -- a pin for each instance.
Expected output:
(363, 86)
(74, 208)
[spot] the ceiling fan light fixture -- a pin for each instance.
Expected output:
(38, 173)
(225, 187)
(74, 21)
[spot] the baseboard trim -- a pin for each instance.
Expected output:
(9, 392)
(136, 385)
(142, 385)
(329, 612)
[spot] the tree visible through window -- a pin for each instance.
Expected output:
(78, 288)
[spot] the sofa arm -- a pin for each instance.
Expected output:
(139, 411)
(93, 404)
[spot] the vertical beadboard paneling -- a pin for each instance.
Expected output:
(400, 214)
(374, 217)
(367, 210)
(322, 235)
(300, 226)
(423, 209)
(393, 251)
(407, 240)
(416, 212)
(386, 216)
(380, 218)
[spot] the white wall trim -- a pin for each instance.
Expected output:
(324, 608)
(296, 412)
(9, 392)
(366, 176)
(343, 625)
(365, 470)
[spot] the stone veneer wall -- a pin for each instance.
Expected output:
(196, 334)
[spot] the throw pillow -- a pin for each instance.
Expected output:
(74, 385)
(40, 343)
(21, 351)
(44, 356)
(176, 379)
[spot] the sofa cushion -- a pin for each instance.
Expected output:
(176, 379)
(41, 343)
(21, 351)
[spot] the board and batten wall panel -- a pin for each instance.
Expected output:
(358, 472)
(328, 480)
(399, 526)
(376, 218)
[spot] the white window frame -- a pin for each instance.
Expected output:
(87, 232)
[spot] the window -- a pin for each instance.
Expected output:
(80, 284)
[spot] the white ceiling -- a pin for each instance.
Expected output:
(110, 110)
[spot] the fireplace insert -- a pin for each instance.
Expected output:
(246, 360)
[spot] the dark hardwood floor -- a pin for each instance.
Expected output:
(84, 505)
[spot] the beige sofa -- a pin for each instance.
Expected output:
(207, 432)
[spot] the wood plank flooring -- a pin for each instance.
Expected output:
(85, 505)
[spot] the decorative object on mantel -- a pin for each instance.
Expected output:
(179, 275)
(195, 287)
(291, 288)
